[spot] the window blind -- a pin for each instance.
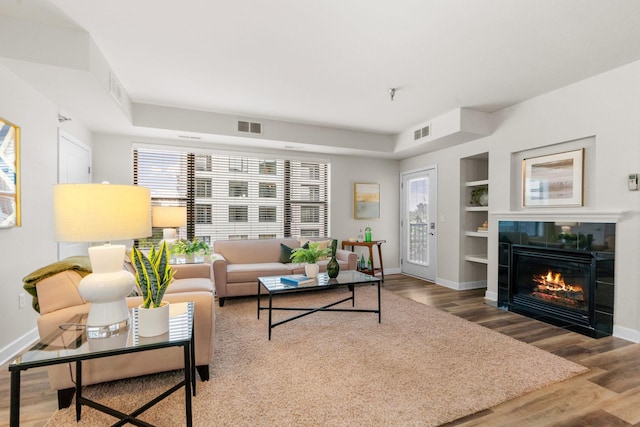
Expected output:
(231, 196)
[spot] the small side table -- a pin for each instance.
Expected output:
(70, 344)
(370, 245)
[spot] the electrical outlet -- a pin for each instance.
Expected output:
(21, 300)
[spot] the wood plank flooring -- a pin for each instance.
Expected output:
(608, 395)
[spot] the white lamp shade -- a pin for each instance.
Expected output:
(169, 216)
(101, 212)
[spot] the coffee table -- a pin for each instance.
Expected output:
(274, 286)
(70, 344)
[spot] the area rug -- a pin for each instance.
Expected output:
(419, 367)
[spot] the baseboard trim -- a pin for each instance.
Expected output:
(626, 333)
(464, 286)
(491, 296)
(9, 352)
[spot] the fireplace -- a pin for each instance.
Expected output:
(553, 283)
(558, 273)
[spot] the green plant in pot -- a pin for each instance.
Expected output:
(153, 276)
(191, 248)
(480, 196)
(309, 255)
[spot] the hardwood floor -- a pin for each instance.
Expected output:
(608, 395)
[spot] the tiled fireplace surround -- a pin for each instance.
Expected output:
(591, 243)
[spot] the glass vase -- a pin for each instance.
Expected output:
(333, 268)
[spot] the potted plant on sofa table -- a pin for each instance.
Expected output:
(194, 250)
(309, 255)
(153, 276)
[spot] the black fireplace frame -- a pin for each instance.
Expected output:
(539, 235)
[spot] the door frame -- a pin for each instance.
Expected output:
(432, 168)
(66, 140)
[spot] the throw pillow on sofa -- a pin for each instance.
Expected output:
(322, 244)
(285, 252)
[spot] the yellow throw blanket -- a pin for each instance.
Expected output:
(80, 264)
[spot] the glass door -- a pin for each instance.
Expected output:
(418, 226)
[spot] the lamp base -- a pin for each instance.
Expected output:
(169, 234)
(107, 331)
(106, 289)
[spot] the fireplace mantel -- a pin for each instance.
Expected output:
(551, 215)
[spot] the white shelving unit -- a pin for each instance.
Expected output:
(474, 174)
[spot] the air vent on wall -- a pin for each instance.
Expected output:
(114, 88)
(249, 127)
(422, 132)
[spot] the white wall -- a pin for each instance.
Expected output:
(32, 245)
(347, 170)
(605, 106)
(112, 162)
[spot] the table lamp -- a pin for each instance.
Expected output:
(169, 218)
(103, 213)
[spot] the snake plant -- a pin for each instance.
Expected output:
(153, 274)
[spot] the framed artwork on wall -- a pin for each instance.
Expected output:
(553, 180)
(9, 174)
(366, 200)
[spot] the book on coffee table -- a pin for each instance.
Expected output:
(297, 279)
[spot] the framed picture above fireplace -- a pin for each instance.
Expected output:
(553, 180)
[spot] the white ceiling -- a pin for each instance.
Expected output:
(332, 62)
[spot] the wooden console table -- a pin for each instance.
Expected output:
(370, 245)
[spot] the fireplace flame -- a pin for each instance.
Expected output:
(554, 284)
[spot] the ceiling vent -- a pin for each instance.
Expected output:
(249, 127)
(114, 88)
(422, 132)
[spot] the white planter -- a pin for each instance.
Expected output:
(153, 321)
(311, 270)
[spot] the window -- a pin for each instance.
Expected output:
(312, 192)
(238, 164)
(238, 213)
(267, 189)
(310, 170)
(203, 163)
(267, 167)
(267, 214)
(266, 236)
(238, 189)
(203, 188)
(231, 196)
(238, 237)
(203, 214)
(310, 214)
(166, 174)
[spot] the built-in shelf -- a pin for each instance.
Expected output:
(480, 258)
(474, 175)
(479, 183)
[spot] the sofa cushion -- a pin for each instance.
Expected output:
(59, 291)
(237, 273)
(190, 285)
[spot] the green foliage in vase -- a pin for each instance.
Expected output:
(189, 247)
(153, 274)
(476, 195)
(309, 255)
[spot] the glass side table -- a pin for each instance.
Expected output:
(70, 344)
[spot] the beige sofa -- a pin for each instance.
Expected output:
(58, 300)
(237, 264)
